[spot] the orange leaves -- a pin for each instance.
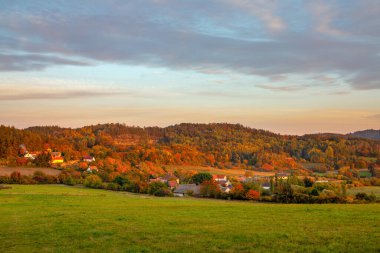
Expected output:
(252, 195)
(267, 167)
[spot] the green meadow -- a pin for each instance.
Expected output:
(57, 218)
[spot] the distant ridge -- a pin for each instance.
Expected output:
(368, 134)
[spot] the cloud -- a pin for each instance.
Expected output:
(374, 116)
(324, 16)
(74, 94)
(281, 88)
(31, 62)
(217, 37)
(340, 93)
(263, 10)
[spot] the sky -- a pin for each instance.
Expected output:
(288, 66)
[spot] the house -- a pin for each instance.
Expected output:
(225, 189)
(219, 178)
(322, 181)
(57, 160)
(92, 169)
(242, 179)
(266, 186)
(30, 156)
(224, 183)
(169, 177)
(88, 159)
(56, 154)
(158, 179)
(282, 175)
(267, 167)
(187, 190)
(172, 184)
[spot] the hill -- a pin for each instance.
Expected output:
(227, 146)
(71, 219)
(368, 134)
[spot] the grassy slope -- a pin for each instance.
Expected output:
(7, 171)
(67, 219)
(367, 189)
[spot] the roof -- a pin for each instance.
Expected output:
(282, 174)
(172, 183)
(169, 177)
(184, 188)
(57, 158)
(88, 157)
(267, 166)
(218, 176)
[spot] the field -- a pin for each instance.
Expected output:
(57, 218)
(212, 170)
(368, 189)
(6, 171)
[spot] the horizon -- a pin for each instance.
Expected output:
(209, 123)
(288, 67)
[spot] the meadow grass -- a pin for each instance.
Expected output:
(57, 218)
(366, 189)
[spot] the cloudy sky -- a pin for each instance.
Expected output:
(287, 66)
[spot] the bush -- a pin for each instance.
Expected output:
(65, 178)
(40, 177)
(16, 178)
(93, 181)
(365, 197)
(252, 195)
(158, 189)
(113, 187)
(163, 192)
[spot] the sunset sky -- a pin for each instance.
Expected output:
(291, 67)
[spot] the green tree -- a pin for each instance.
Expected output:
(200, 177)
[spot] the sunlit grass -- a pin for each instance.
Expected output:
(57, 218)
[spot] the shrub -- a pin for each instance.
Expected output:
(113, 187)
(158, 189)
(16, 178)
(40, 177)
(93, 181)
(65, 178)
(252, 195)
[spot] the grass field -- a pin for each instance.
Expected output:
(57, 218)
(367, 189)
(213, 170)
(7, 171)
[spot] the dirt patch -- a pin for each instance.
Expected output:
(6, 171)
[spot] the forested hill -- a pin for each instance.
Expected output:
(369, 134)
(223, 145)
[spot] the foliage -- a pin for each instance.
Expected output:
(93, 181)
(210, 188)
(201, 177)
(159, 189)
(119, 148)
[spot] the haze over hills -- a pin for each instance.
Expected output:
(368, 134)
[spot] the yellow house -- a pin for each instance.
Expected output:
(57, 160)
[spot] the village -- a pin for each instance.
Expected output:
(251, 185)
